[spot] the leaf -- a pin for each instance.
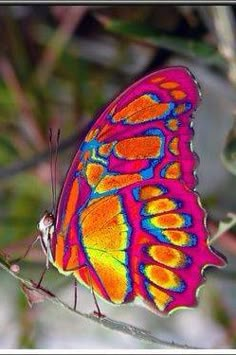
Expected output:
(183, 46)
(228, 155)
(34, 295)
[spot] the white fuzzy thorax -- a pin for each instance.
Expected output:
(46, 227)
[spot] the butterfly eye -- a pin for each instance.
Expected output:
(48, 220)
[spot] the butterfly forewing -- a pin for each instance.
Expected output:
(128, 208)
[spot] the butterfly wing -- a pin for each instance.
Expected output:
(128, 209)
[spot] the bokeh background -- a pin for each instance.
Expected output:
(58, 66)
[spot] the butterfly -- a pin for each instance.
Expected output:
(129, 222)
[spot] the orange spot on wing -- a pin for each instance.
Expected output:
(173, 171)
(169, 220)
(91, 134)
(159, 274)
(111, 182)
(93, 173)
(169, 85)
(174, 146)
(158, 79)
(80, 166)
(162, 277)
(176, 237)
(86, 155)
(180, 109)
(105, 149)
(104, 209)
(178, 94)
(138, 148)
(173, 124)
(148, 192)
(142, 109)
(168, 256)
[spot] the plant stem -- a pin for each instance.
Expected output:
(106, 322)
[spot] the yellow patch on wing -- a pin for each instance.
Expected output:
(160, 205)
(138, 148)
(111, 272)
(111, 182)
(160, 298)
(104, 235)
(103, 225)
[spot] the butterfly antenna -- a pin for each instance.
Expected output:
(51, 170)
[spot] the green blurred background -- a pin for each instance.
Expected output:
(58, 66)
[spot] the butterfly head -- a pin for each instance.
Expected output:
(46, 228)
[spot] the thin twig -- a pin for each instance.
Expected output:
(72, 18)
(21, 166)
(106, 322)
(30, 126)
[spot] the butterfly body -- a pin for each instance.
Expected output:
(128, 210)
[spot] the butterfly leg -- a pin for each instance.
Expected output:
(98, 311)
(38, 285)
(27, 250)
(75, 294)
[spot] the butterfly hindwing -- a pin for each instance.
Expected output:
(128, 209)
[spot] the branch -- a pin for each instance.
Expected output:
(106, 322)
(20, 166)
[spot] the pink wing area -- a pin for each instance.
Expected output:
(128, 209)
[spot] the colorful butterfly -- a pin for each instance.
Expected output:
(128, 210)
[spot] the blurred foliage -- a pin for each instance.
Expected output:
(187, 47)
(58, 66)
